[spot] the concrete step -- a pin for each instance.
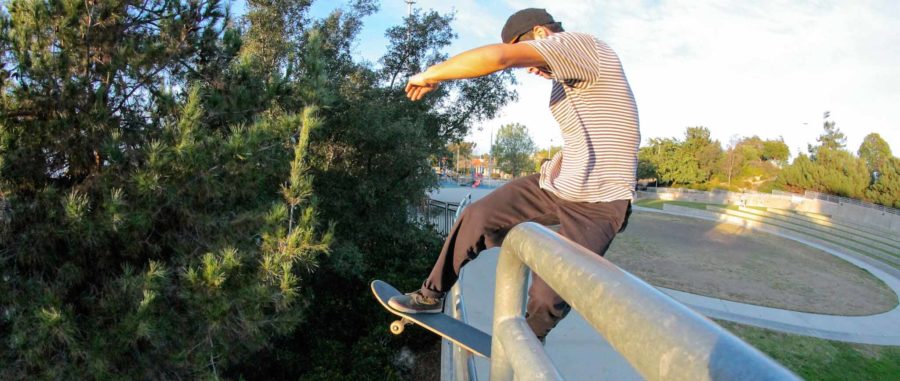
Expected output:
(841, 243)
(890, 239)
(885, 264)
(830, 219)
(861, 237)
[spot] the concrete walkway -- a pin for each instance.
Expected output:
(574, 335)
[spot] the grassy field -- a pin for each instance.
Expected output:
(818, 359)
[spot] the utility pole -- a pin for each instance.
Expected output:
(491, 156)
(409, 4)
(457, 160)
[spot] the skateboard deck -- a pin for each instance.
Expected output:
(462, 334)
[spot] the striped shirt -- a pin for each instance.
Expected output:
(593, 104)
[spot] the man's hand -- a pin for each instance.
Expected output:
(418, 86)
(541, 72)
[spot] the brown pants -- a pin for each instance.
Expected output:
(484, 224)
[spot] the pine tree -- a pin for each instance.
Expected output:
(138, 241)
(162, 179)
(832, 138)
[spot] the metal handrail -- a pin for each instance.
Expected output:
(462, 361)
(661, 338)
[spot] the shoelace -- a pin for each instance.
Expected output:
(422, 299)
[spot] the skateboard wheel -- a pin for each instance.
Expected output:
(397, 327)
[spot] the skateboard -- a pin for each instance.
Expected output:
(462, 334)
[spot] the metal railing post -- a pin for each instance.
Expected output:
(661, 338)
(514, 345)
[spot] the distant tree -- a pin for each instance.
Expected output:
(731, 161)
(646, 167)
(845, 174)
(750, 161)
(832, 138)
(542, 155)
(671, 165)
(832, 171)
(776, 151)
(706, 152)
(691, 161)
(886, 188)
(274, 31)
(875, 151)
(513, 148)
(802, 174)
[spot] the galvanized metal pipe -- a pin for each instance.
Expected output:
(463, 363)
(523, 351)
(661, 338)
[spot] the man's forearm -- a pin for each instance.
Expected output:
(473, 63)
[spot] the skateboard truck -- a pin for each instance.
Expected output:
(397, 326)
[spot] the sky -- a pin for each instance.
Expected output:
(769, 68)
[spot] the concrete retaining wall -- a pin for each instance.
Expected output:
(813, 231)
(828, 220)
(887, 242)
(836, 231)
(865, 217)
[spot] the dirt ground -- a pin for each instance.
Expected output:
(730, 262)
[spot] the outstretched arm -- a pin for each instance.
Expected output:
(474, 63)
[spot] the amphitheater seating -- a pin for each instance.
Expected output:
(884, 248)
(828, 234)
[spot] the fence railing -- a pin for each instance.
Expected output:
(850, 201)
(468, 180)
(661, 338)
(438, 214)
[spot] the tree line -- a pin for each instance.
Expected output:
(187, 194)
(750, 163)
(697, 161)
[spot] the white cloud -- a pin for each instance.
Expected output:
(741, 68)
(767, 68)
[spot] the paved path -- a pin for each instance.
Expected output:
(882, 329)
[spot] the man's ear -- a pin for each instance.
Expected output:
(539, 32)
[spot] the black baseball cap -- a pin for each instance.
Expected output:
(523, 21)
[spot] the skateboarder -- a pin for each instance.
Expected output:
(586, 188)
